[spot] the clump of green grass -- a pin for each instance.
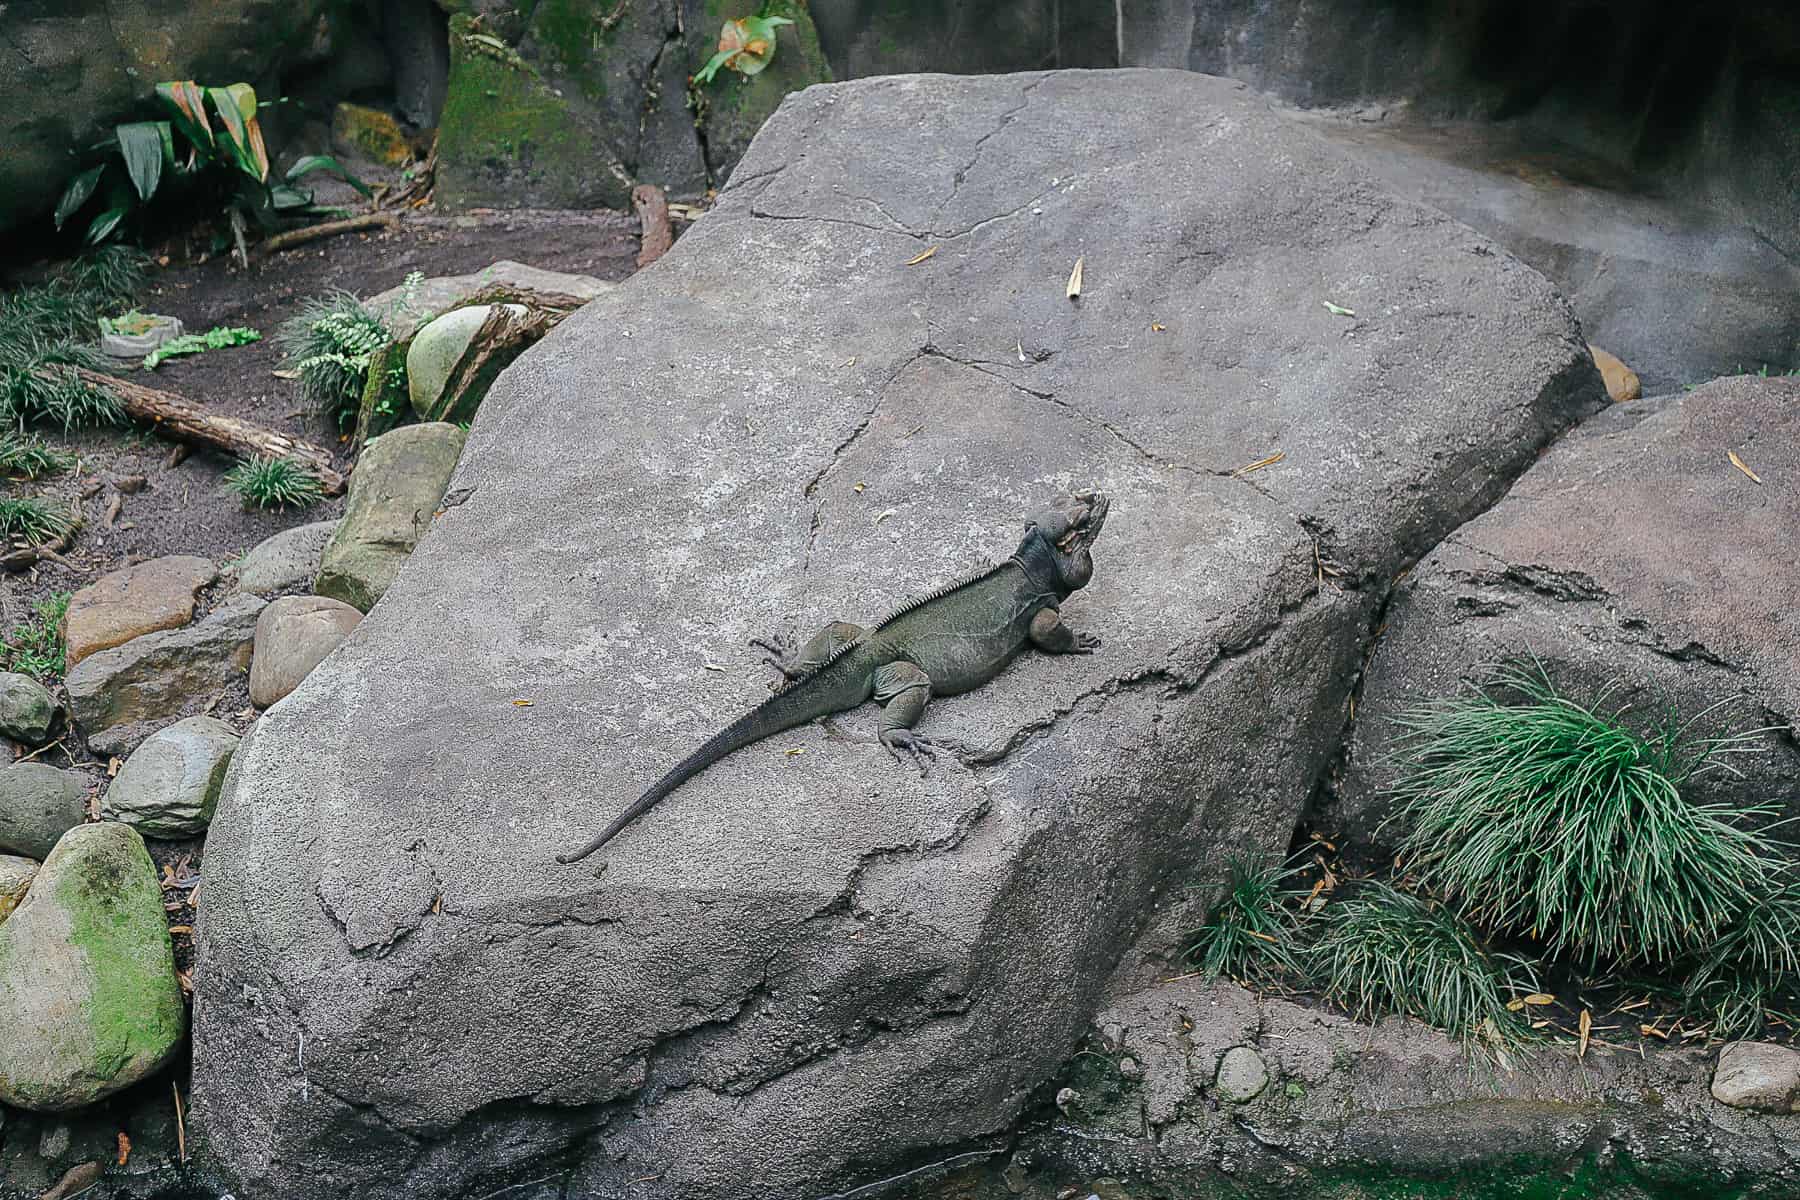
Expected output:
(1381, 950)
(31, 458)
(43, 331)
(37, 648)
(1252, 933)
(31, 520)
(331, 341)
(1543, 818)
(274, 483)
(1753, 967)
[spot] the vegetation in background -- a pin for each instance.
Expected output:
(216, 338)
(1753, 967)
(1382, 950)
(42, 328)
(331, 341)
(746, 45)
(209, 145)
(1547, 819)
(274, 483)
(36, 648)
(31, 520)
(1252, 933)
(30, 458)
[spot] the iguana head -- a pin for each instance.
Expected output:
(1062, 536)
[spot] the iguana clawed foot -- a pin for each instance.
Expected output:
(919, 749)
(782, 652)
(1086, 643)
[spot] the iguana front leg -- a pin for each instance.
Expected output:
(796, 665)
(1049, 634)
(903, 689)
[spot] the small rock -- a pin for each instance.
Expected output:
(404, 310)
(1621, 381)
(38, 804)
(1759, 1076)
(53, 1143)
(169, 786)
(88, 994)
(393, 496)
(121, 696)
(16, 875)
(293, 635)
(433, 357)
(289, 559)
(129, 603)
(131, 485)
(1066, 1098)
(1130, 1069)
(375, 133)
(1242, 1075)
(27, 710)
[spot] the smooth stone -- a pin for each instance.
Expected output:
(405, 310)
(432, 358)
(88, 994)
(1242, 1075)
(394, 495)
(289, 559)
(121, 696)
(170, 784)
(133, 601)
(27, 709)
(293, 635)
(38, 804)
(1621, 381)
(16, 874)
(1760, 1076)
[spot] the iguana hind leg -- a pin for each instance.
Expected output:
(1049, 634)
(903, 689)
(796, 664)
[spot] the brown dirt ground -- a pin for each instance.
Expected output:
(184, 508)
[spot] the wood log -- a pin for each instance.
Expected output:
(180, 419)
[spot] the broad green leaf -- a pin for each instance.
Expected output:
(324, 162)
(142, 147)
(104, 224)
(77, 193)
(243, 135)
(284, 196)
(187, 101)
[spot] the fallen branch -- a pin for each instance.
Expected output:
(299, 237)
(180, 419)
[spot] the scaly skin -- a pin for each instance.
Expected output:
(948, 642)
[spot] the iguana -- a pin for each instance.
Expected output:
(949, 641)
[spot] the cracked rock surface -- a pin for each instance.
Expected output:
(1634, 551)
(808, 968)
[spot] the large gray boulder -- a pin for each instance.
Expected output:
(1635, 554)
(803, 968)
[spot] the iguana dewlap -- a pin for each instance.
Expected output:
(950, 641)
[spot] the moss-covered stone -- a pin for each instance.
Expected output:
(509, 138)
(371, 132)
(383, 403)
(88, 995)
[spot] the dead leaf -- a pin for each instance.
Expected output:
(858, 487)
(1157, 327)
(112, 767)
(1540, 998)
(285, 374)
(174, 929)
(1514, 1005)
(851, 361)
(124, 1148)
(885, 514)
(1259, 464)
(523, 703)
(1075, 279)
(919, 258)
(1586, 1026)
(791, 751)
(1652, 1031)
(1739, 464)
(1265, 937)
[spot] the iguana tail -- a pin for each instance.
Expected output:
(785, 710)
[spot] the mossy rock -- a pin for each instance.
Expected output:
(508, 138)
(89, 1001)
(371, 132)
(383, 403)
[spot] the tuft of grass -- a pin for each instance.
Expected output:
(1547, 819)
(274, 483)
(1753, 967)
(31, 458)
(331, 341)
(1252, 933)
(1381, 950)
(37, 648)
(31, 520)
(43, 331)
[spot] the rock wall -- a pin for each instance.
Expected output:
(844, 386)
